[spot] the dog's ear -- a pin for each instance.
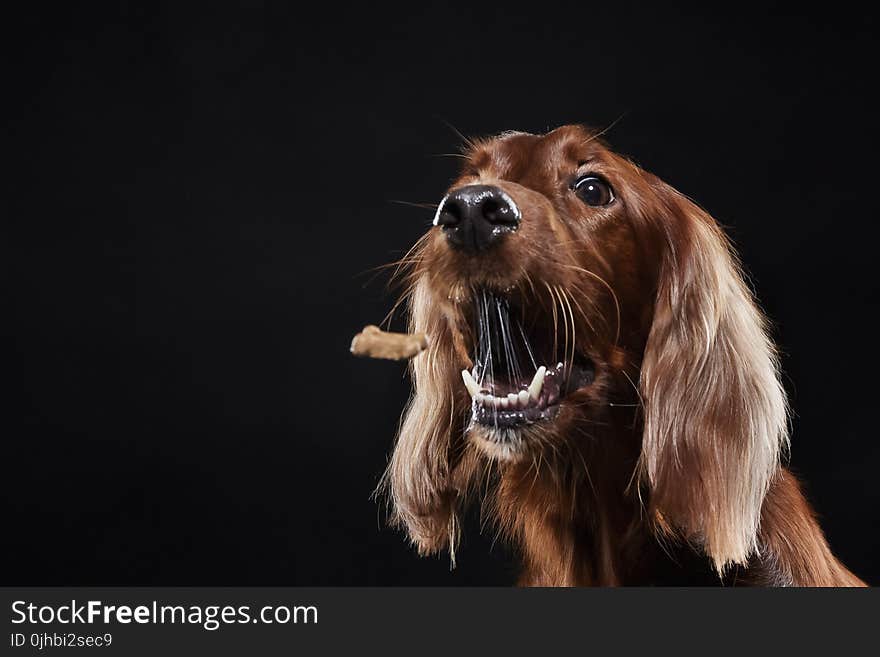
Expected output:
(715, 410)
(418, 477)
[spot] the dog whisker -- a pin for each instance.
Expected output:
(610, 290)
(414, 204)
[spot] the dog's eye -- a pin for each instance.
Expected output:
(594, 191)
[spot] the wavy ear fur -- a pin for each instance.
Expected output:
(418, 475)
(715, 410)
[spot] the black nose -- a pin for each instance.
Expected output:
(476, 217)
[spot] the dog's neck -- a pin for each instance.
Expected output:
(577, 514)
(566, 540)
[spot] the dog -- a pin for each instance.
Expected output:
(599, 374)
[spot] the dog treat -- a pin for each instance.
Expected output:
(376, 343)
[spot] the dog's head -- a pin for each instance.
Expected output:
(561, 281)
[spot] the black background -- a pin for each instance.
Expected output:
(197, 197)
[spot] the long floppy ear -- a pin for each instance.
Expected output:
(715, 411)
(418, 476)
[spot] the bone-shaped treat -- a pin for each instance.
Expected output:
(373, 342)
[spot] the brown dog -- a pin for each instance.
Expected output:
(597, 363)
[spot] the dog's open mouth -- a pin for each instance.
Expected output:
(523, 368)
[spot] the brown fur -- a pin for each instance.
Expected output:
(679, 439)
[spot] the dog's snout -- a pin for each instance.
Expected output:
(476, 217)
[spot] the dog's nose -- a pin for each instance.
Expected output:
(477, 216)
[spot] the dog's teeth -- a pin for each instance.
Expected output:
(472, 386)
(511, 401)
(537, 383)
